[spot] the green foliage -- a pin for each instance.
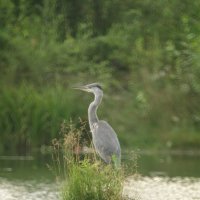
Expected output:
(90, 181)
(147, 52)
(31, 117)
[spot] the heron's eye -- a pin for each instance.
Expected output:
(99, 87)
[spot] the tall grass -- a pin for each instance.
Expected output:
(85, 176)
(30, 117)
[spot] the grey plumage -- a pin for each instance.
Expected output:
(103, 136)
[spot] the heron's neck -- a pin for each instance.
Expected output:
(92, 110)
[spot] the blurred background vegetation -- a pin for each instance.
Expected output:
(146, 54)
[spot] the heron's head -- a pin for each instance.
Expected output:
(93, 88)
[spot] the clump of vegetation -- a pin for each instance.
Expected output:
(85, 176)
(93, 181)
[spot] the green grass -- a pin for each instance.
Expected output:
(30, 117)
(85, 176)
(93, 181)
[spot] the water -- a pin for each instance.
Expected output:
(163, 188)
(161, 176)
(27, 178)
(170, 164)
(28, 190)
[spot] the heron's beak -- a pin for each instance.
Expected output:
(83, 88)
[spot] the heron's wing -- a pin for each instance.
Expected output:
(106, 142)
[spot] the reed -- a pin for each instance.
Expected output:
(30, 117)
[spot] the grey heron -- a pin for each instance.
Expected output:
(104, 137)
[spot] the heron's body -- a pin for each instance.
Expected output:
(105, 141)
(103, 136)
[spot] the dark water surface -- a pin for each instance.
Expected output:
(171, 164)
(28, 177)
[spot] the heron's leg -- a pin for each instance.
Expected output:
(116, 161)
